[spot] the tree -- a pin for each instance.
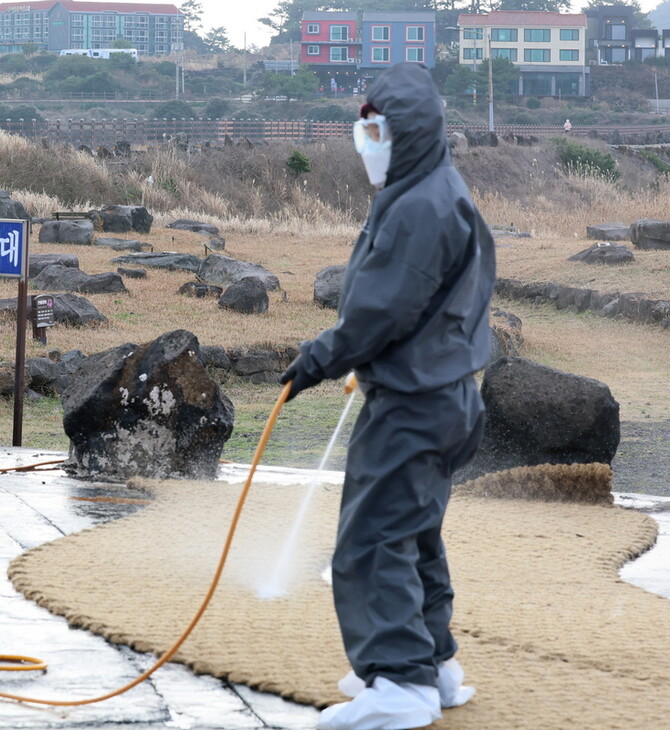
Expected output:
(553, 5)
(192, 11)
(217, 40)
(505, 76)
(122, 43)
(460, 81)
(640, 18)
(29, 49)
(175, 109)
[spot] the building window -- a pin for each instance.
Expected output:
(537, 35)
(381, 55)
(339, 32)
(472, 54)
(339, 54)
(537, 84)
(564, 55)
(415, 33)
(504, 35)
(508, 53)
(381, 32)
(537, 55)
(313, 28)
(616, 32)
(313, 50)
(473, 34)
(567, 84)
(569, 34)
(414, 54)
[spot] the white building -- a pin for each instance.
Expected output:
(548, 48)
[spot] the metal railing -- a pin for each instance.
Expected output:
(146, 132)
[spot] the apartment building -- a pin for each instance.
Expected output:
(153, 29)
(390, 37)
(548, 48)
(330, 39)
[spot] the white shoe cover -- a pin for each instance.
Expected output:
(449, 683)
(384, 706)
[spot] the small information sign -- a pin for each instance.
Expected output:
(13, 248)
(43, 310)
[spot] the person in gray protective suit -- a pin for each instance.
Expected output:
(413, 325)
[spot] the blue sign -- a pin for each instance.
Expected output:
(13, 247)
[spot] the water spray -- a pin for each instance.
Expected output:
(278, 583)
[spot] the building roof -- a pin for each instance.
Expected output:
(329, 15)
(77, 6)
(393, 17)
(522, 18)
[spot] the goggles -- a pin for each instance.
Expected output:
(370, 130)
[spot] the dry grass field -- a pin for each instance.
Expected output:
(295, 227)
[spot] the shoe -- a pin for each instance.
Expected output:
(384, 706)
(449, 683)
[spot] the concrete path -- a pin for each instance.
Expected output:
(36, 507)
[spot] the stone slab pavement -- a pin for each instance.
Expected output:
(39, 506)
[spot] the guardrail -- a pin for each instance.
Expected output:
(216, 132)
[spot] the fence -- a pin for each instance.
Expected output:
(216, 132)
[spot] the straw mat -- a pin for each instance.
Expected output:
(549, 634)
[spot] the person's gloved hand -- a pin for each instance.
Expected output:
(301, 380)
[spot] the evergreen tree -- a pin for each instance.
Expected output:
(192, 11)
(217, 40)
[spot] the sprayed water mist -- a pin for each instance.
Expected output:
(277, 585)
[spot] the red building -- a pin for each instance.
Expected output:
(330, 40)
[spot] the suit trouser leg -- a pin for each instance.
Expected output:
(390, 577)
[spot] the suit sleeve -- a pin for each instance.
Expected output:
(389, 292)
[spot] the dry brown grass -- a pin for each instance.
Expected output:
(153, 307)
(546, 259)
(632, 359)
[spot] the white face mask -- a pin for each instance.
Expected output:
(372, 139)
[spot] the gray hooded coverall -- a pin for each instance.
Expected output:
(413, 324)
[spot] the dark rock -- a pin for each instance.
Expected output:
(650, 234)
(8, 379)
(569, 296)
(185, 225)
(216, 243)
(327, 286)
(44, 374)
(71, 361)
(609, 231)
(247, 363)
(11, 208)
(214, 358)
(487, 139)
(247, 296)
(200, 290)
(605, 253)
(123, 218)
(78, 232)
(122, 148)
(65, 278)
(121, 244)
(223, 270)
(132, 273)
(149, 410)
(39, 261)
(69, 309)
(537, 415)
(164, 260)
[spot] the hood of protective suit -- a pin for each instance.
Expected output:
(406, 95)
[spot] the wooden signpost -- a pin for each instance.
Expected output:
(14, 240)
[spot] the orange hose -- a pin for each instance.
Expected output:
(29, 467)
(269, 425)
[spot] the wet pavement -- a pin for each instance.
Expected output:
(39, 506)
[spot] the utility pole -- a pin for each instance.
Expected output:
(244, 62)
(474, 67)
(490, 85)
(176, 80)
(658, 111)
